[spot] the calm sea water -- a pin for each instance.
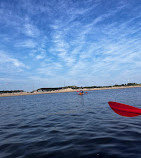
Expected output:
(66, 125)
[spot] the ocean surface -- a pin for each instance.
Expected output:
(67, 125)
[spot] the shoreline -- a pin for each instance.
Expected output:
(63, 91)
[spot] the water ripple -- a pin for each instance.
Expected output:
(67, 125)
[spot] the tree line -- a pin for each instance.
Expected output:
(11, 91)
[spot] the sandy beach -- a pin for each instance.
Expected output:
(62, 91)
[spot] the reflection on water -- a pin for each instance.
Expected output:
(69, 125)
(82, 100)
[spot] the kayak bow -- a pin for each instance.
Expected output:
(124, 110)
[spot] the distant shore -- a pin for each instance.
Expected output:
(63, 91)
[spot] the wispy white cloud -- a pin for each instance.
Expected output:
(27, 44)
(10, 64)
(71, 39)
(82, 57)
(31, 30)
(40, 56)
(7, 59)
(50, 69)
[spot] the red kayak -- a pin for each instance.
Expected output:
(124, 110)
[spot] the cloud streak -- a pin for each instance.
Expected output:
(94, 40)
(10, 65)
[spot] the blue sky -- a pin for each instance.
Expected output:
(52, 43)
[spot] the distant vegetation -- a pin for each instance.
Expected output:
(128, 84)
(116, 85)
(47, 89)
(11, 91)
(72, 87)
